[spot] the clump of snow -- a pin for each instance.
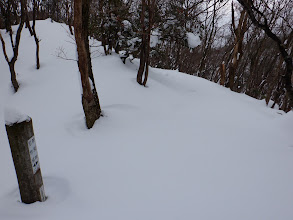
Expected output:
(12, 116)
(193, 40)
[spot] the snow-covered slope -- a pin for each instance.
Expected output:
(183, 148)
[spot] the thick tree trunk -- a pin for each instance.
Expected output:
(90, 100)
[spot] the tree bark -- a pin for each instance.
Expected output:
(90, 100)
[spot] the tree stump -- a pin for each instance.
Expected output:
(25, 157)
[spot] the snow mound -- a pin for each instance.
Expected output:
(180, 148)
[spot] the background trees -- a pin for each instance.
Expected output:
(246, 49)
(257, 14)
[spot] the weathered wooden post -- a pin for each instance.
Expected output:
(24, 152)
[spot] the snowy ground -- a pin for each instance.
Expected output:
(181, 149)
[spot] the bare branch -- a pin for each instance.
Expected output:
(4, 48)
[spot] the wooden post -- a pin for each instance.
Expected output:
(26, 161)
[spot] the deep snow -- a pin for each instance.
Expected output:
(182, 148)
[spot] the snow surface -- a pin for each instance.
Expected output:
(182, 148)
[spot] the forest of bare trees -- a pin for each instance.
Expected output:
(244, 45)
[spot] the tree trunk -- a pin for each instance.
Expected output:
(148, 48)
(35, 36)
(143, 46)
(13, 76)
(90, 100)
(28, 26)
(37, 53)
(141, 65)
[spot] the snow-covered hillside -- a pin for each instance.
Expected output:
(181, 149)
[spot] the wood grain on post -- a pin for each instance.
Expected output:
(26, 162)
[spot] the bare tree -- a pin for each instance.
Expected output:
(90, 100)
(260, 20)
(15, 44)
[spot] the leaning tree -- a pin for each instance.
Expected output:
(90, 100)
